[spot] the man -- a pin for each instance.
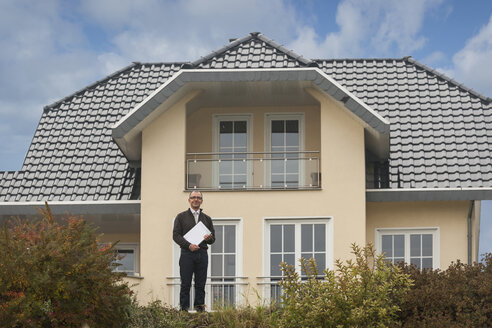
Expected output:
(194, 258)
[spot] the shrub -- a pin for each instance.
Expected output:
(460, 296)
(360, 293)
(55, 275)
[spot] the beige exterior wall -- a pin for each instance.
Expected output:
(449, 216)
(165, 142)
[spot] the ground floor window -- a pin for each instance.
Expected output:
(419, 247)
(128, 258)
(290, 239)
(224, 284)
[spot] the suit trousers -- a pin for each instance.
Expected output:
(193, 263)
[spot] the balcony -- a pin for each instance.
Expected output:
(291, 170)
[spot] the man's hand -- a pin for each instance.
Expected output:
(194, 247)
(208, 237)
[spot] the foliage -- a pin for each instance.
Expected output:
(245, 317)
(55, 275)
(156, 314)
(460, 296)
(359, 293)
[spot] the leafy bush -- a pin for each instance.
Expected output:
(460, 296)
(55, 275)
(360, 293)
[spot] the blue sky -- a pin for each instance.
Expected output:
(52, 48)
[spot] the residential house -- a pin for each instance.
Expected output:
(295, 157)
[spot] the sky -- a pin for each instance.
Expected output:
(53, 48)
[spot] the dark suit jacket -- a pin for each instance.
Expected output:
(184, 222)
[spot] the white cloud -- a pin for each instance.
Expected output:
(472, 63)
(369, 28)
(185, 30)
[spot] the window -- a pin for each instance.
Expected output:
(289, 240)
(232, 142)
(129, 258)
(414, 246)
(284, 138)
(224, 284)
(223, 265)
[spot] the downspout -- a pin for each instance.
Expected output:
(470, 233)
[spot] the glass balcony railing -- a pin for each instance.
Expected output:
(253, 170)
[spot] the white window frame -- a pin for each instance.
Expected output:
(215, 145)
(297, 221)
(434, 231)
(269, 117)
(239, 261)
(136, 257)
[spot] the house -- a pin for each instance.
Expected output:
(295, 157)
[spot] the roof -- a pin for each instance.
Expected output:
(127, 132)
(440, 131)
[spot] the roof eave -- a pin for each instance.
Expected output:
(127, 130)
(74, 208)
(428, 194)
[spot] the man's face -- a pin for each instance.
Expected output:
(195, 200)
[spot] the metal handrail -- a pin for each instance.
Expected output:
(254, 153)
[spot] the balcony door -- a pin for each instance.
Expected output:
(232, 142)
(285, 139)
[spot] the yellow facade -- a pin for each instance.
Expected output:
(341, 200)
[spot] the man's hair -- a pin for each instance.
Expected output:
(195, 191)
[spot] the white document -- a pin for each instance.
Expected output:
(196, 234)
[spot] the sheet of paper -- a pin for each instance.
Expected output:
(196, 234)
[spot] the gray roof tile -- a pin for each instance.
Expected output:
(441, 131)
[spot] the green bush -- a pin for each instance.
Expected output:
(460, 296)
(55, 275)
(360, 293)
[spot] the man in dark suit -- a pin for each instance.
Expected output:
(194, 258)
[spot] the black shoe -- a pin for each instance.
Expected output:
(183, 309)
(200, 308)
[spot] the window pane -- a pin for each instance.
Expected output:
(225, 166)
(415, 245)
(319, 237)
(229, 265)
(387, 245)
(276, 238)
(415, 261)
(240, 127)
(229, 239)
(289, 259)
(399, 245)
(216, 265)
(398, 260)
(321, 262)
(292, 126)
(217, 246)
(427, 245)
(277, 126)
(427, 263)
(226, 127)
(306, 238)
(292, 166)
(239, 167)
(289, 238)
(275, 260)
(127, 260)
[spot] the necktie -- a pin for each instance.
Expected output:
(195, 214)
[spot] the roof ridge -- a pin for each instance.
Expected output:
(357, 59)
(447, 78)
(222, 50)
(290, 53)
(261, 37)
(56, 103)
